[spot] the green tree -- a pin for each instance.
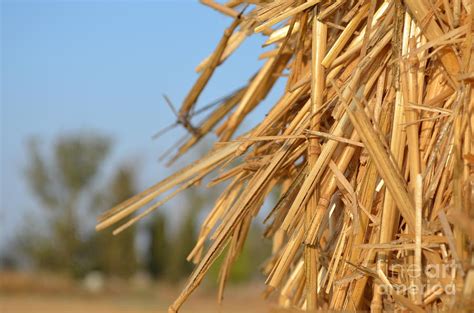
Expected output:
(116, 255)
(185, 237)
(248, 264)
(157, 256)
(183, 243)
(60, 184)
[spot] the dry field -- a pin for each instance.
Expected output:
(26, 303)
(19, 295)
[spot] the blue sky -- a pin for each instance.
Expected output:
(68, 66)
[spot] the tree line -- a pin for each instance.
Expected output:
(67, 180)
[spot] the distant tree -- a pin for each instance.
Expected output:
(116, 255)
(157, 254)
(247, 265)
(8, 258)
(183, 243)
(185, 238)
(60, 183)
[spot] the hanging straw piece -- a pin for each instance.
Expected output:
(370, 145)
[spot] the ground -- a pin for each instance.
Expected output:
(59, 297)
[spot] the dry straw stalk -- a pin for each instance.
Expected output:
(370, 146)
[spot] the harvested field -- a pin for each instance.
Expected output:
(20, 293)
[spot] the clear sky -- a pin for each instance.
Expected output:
(102, 65)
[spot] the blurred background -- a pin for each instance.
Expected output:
(82, 86)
